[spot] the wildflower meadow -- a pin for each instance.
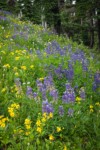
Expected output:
(49, 90)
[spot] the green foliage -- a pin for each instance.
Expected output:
(28, 56)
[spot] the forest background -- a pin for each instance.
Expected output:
(75, 19)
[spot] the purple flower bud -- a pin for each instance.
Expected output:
(70, 112)
(61, 110)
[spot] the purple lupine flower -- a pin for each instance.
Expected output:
(70, 74)
(94, 86)
(68, 86)
(38, 52)
(54, 94)
(68, 97)
(54, 48)
(46, 86)
(5, 12)
(4, 18)
(44, 104)
(96, 83)
(48, 50)
(69, 94)
(62, 52)
(14, 36)
(44, 93)
(39, 85)
(48, 82)
(82, 93)
(35, 94)
(85, 68)
(85, 65)
(61, 110)
(70, 71)
(29, 92)
(59, 71)
(97, 78)
(69, 47)
(47, 107)
(78, 55)
(70, 112)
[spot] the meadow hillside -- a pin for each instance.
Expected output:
(49, 90)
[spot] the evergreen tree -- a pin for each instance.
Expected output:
(3, 5)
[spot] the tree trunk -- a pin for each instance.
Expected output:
(91, 33)
(98, 26)
(57, 20)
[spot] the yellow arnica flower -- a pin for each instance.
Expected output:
(51, 137)
(12, 53)
(39, 129)
(15, 105)
(7, 36)
(65, 148)
(23, 67)
(43, 119)
(41, 79)
(58, 129)
(97, 104)
(27, 124)
(91, 106)
(17, 51)
(3, 52)
(91, 110)
(32, 66)
(15, 68)
(2, 125)
(38, 123)
(27, 121)
(18, 131)
(6, 66)
(27, 127)
(12, 108)
(16, 74)
(2, 121)
(28, 132)
(3, 90)
(50, 115)
(45, 115)
(17, 58)
(1, 116)
(78, 99)
(11, 113)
